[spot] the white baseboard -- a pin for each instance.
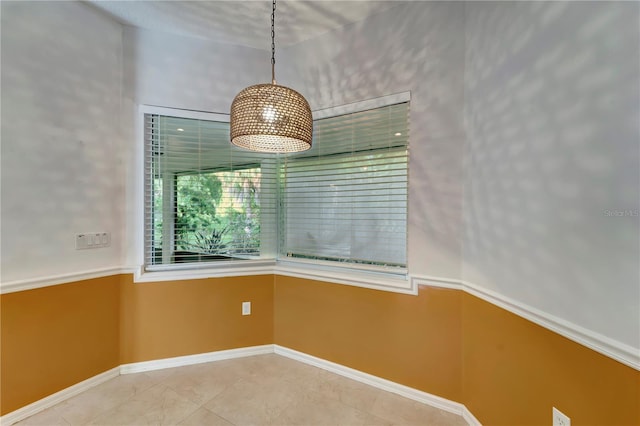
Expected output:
(58, 397)
(139, 367)
(180, 361)
(380, 383)
(387, 385)
(470, 418)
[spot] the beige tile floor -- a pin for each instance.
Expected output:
(258, 390)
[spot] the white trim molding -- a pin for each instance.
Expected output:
(366, 279)
(358, 278)
(470, 418)
(380, 383)
(438, 282)
(180, 361)
(379, 102)
(58, 397)
(604, 345)
(38, 282)
(183, 113)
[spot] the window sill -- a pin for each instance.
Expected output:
(178, 272)
(376, 280)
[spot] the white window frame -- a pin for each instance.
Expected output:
(367, 276)
(173, 272)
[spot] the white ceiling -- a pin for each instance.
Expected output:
(241, 22)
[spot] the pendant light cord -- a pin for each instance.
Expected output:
(273, 43)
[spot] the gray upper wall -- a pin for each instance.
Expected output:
(61, 120)
(552, 158)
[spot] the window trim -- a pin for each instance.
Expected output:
(369, 276)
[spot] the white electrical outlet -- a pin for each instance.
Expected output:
(246, 308)
(559, 418)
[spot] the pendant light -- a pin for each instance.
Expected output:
(270, 117)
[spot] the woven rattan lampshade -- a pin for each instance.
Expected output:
(271, 118)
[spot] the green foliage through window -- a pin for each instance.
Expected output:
(218, 212)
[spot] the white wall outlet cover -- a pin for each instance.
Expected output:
(246, 308)
(559, 418)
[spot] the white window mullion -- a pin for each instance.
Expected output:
(168, 216)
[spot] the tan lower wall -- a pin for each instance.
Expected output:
(506, 370)
(55, 337)
(413, 340)
(167, 319)
(515, 371)
(511, 372)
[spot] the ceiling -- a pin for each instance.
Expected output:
(241, 22)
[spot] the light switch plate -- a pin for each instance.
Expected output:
(92, 240)
(246, 308)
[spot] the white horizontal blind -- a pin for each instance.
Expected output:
(205, 199)
(345, 200)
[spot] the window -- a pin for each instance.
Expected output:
(342, 203)
(345, 200)
(205, 199)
